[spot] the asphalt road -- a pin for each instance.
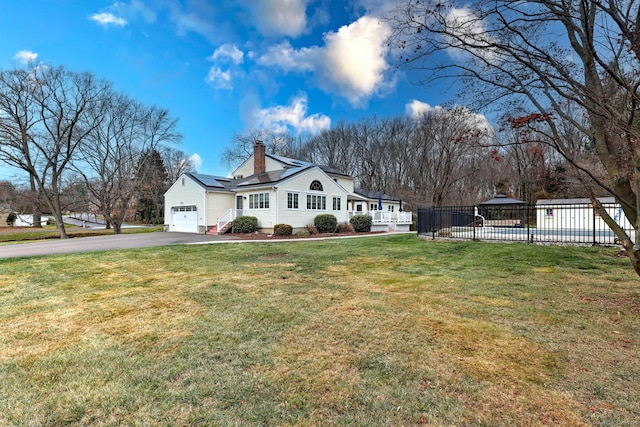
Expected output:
(105, 243)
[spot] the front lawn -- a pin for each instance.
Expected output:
(376, 331)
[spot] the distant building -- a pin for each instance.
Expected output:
(578, 214)
(27, 221)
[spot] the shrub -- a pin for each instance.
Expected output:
(361, 223)
(325, 223)
(311, 229)
(245, 224)
(345, 227)
(282, 230)
(303, 232)
(11, 219)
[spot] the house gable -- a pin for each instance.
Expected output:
(296, 199)
(272, 163)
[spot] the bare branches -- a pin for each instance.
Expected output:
(548, 57)
(45, 115)
(54, 122)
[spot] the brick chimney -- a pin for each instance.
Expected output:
(259, 164)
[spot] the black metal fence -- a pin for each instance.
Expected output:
(550, 223)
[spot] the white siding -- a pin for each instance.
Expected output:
(576, 217)
(345, 182)
(183, 192)
(266, 217)
(217, 205)
(246, 169)
(186, 192)
(299, 218)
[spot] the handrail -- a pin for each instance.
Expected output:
(226, 218)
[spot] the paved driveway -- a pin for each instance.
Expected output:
(105, 243)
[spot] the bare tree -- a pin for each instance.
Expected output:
(110, 162)
(241, 147)
(176, 162)
(7, 195)
(46, 114)
(435, 159)
(335, 148)
(543, 56)
(448, 152)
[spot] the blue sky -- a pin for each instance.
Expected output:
(224, 67)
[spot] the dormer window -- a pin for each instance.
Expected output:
(315, 186)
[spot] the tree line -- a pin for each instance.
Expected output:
(84, 146)
(442, 157)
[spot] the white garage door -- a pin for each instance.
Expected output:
(184, 219)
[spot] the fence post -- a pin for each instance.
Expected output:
(475, 208)
(528, 220)
(593, 215)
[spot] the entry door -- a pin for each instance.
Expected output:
(239, 205)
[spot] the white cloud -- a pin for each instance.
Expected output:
(137, 7)
(196, 160)
(284, 56)
(193, 22)
(228, 52)
(352, 64)
(415, 108)
(219, 79)
(293, 116)
(279, 17)
(108, 19)
(356, 60)
(25, 56)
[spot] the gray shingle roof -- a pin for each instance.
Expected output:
(374, 195)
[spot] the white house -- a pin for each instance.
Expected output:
(577, 214)
(276, 190)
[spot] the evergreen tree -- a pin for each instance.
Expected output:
(152, 182)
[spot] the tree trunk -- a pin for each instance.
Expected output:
(35, 204)
(632, 251)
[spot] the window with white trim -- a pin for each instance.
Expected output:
(293, 201)
(548, 212)
(316, 202)
(315, 185)
(259, 201)
(337, 202)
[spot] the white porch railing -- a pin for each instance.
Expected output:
(386, 217)
(226, 218)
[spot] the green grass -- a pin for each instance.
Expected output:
(27, 234)
(369, 331)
